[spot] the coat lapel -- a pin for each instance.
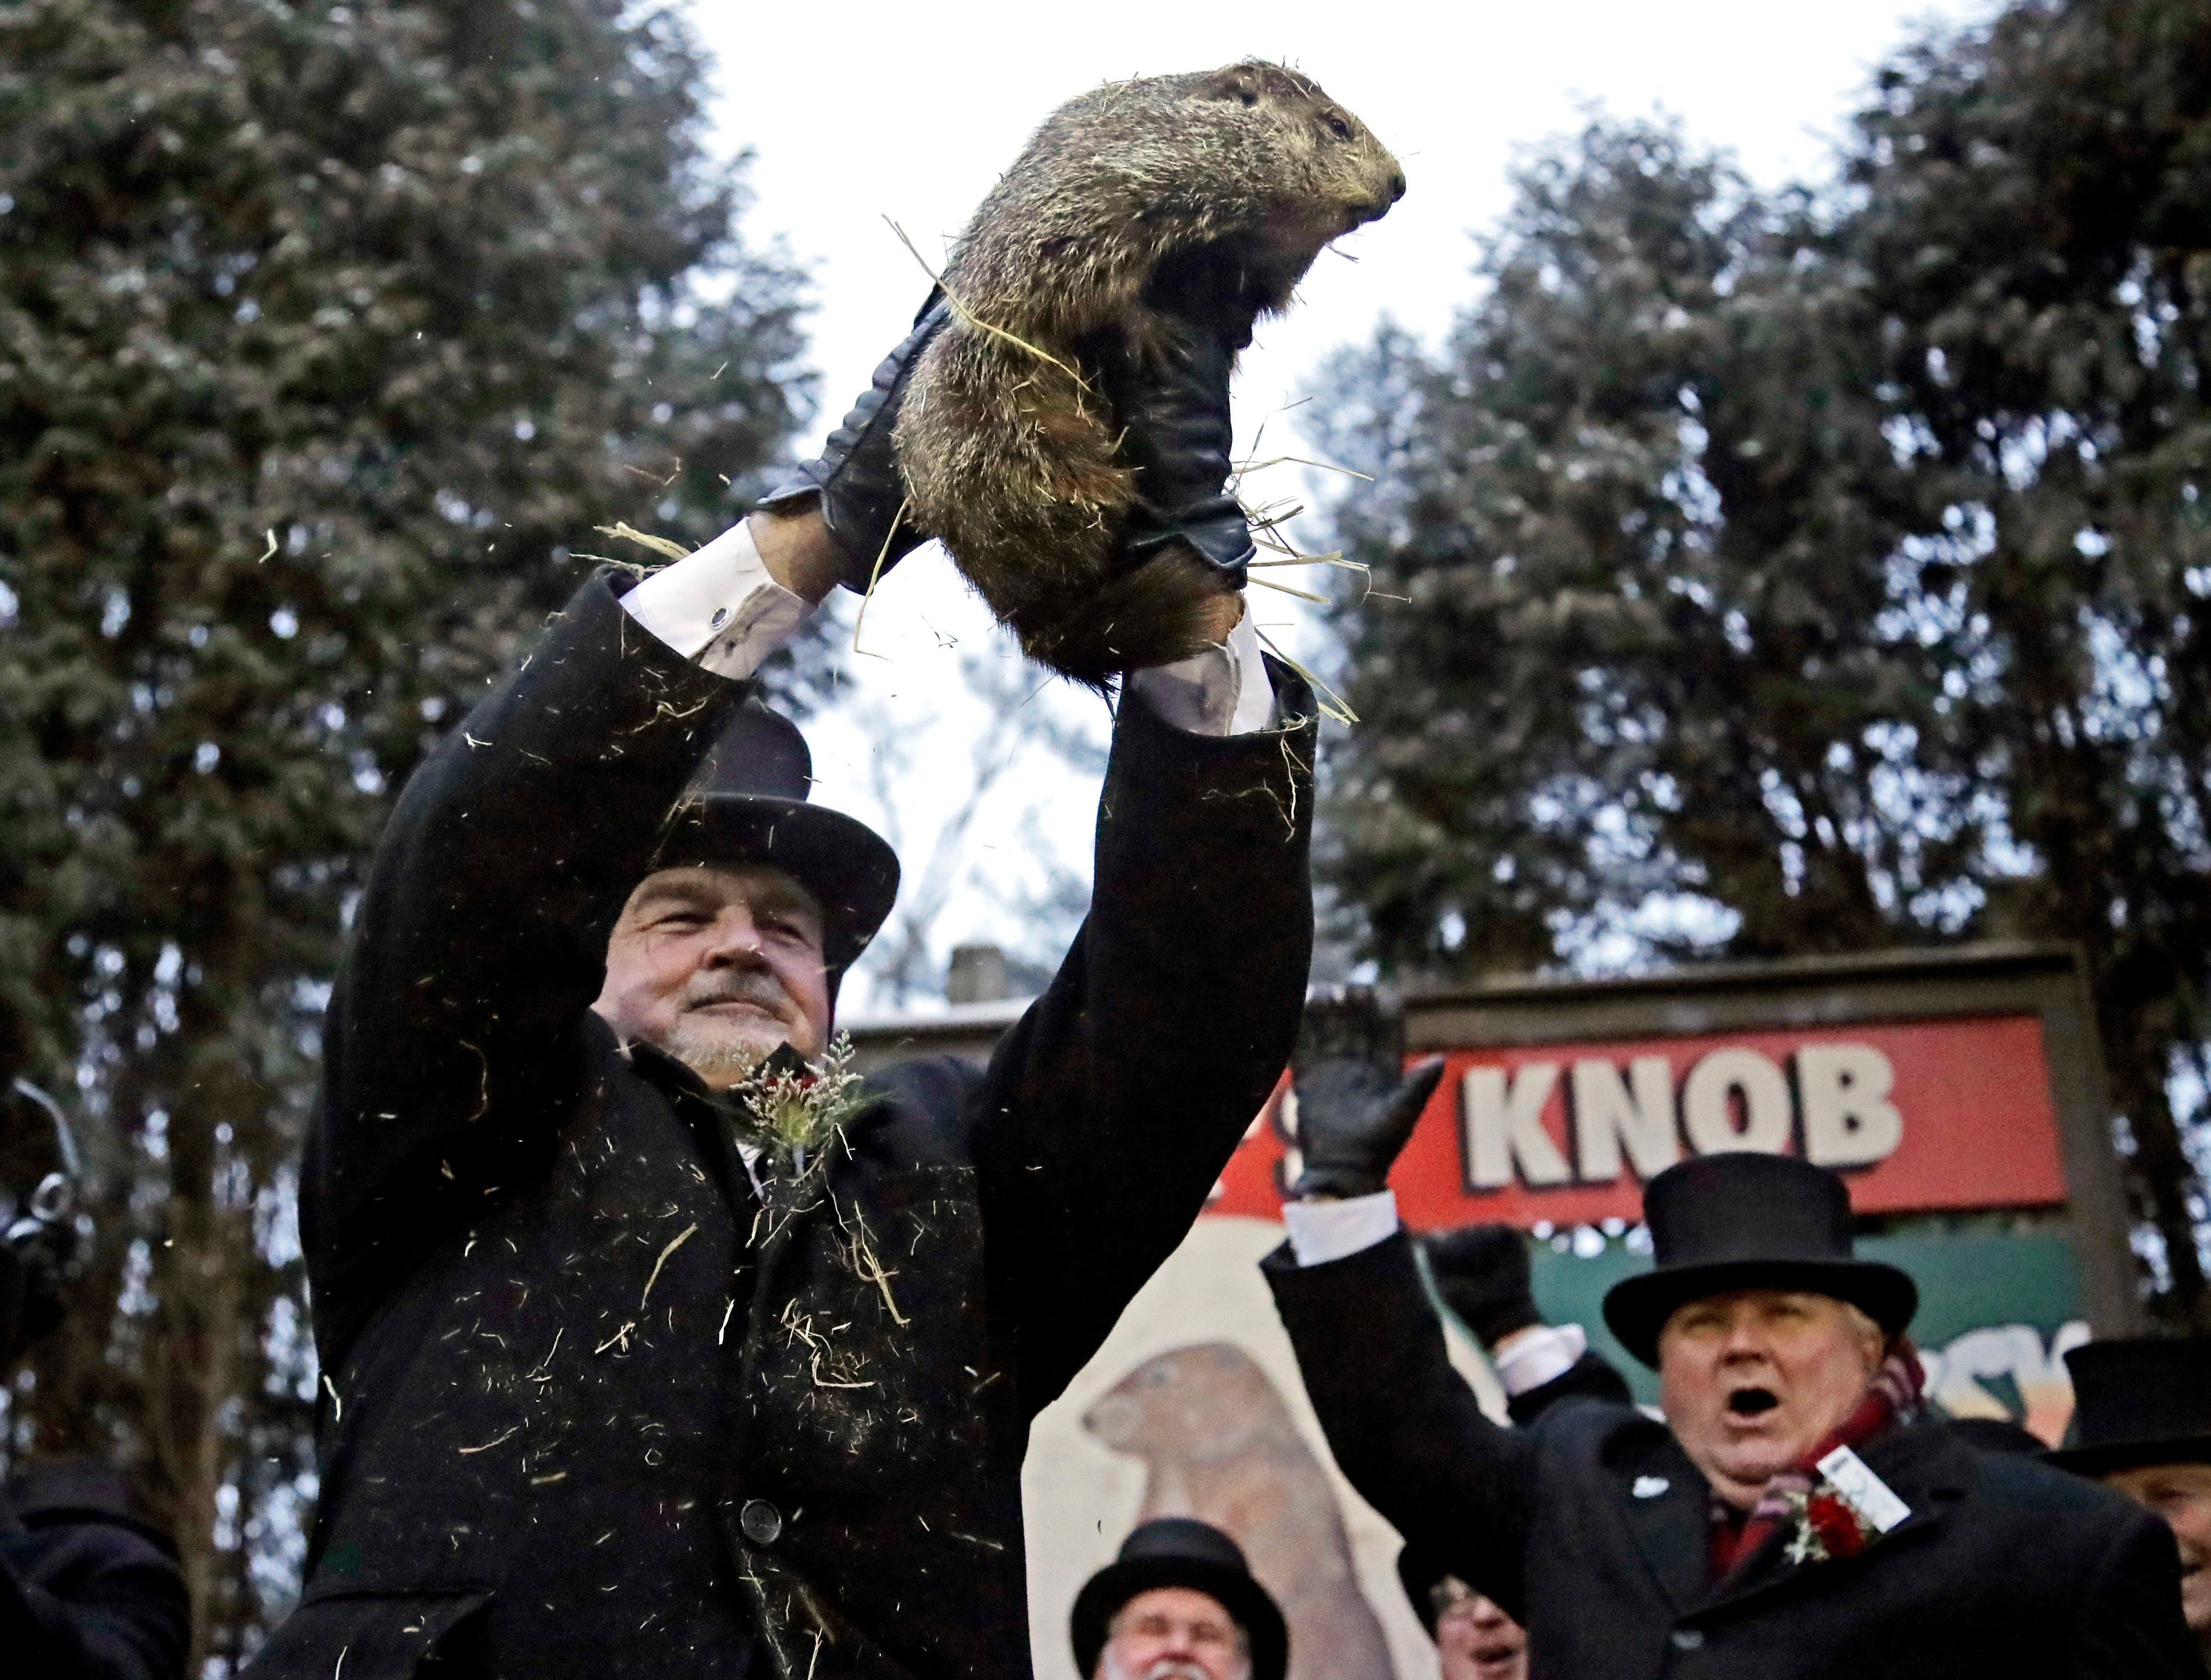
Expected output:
(1666, 1501)
(1922, 1463)
(707, 1117)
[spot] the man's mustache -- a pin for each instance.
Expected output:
(759, 988)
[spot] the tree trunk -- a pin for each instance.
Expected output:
(2161, 1171)
(201, 1357)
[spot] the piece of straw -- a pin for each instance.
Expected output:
(682, 1238)
(666, 547)
(875, 572)
(974, 320)
(1301, 460)
(1342, 711)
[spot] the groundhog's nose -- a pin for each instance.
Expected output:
(1397, 186)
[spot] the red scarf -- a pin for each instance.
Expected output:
(1893, 1397)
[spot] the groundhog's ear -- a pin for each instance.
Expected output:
(1238, 82)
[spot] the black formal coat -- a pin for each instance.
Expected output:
(86, 1592)
(594, 1406)
(1592, 1526)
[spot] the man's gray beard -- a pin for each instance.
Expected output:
(1166, 1668)
(717, 1058)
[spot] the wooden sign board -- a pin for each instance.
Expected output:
(1939, 1082)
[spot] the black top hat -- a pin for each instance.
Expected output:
(1181, 1552)
(1749, 1220)
(2137, 1402)
(748, 804)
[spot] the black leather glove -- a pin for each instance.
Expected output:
(1171, 400)
(1354, 1110)
(855, 480)
(1482, 1272)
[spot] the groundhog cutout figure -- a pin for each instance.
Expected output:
(1216, 191)
(1218, 1444)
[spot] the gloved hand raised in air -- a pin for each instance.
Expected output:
(1354, 1109)
(1481, 1272)
(855, 482)
(1170, 398)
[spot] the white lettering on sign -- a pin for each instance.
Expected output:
(1609, 1113)
(1842, 1090)
(1841, 1108)
(1709, 1104)
(1503, 1127)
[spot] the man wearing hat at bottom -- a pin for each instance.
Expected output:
(1179, 1603)
(650, 1345)
(2141, 1425)
(1791, 1516)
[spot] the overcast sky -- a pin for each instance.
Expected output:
(863, 111)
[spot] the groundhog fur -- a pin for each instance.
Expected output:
(1211, 193)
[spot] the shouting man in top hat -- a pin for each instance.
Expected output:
(651, 1343)
(2142, 1424)
(1790, 1517)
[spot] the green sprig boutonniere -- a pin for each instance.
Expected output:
(792, 1106)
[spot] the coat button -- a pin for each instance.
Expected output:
(1687, 1639)
(761, 1522)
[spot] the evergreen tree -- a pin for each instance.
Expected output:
(1820, 573)
(329, 334)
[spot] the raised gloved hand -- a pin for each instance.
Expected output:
(1170, 397)
(1354, 1110)
(855, 480)
(1482, 1272)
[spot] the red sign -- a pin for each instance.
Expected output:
(1917, 1115)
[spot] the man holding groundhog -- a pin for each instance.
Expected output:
(652, 1343)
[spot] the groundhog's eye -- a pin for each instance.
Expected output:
(1338, 127)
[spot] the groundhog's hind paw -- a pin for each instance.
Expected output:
(1154, 615)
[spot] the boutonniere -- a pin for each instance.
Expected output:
(792, 1106)
(1827, 1527)
(1842, 1512)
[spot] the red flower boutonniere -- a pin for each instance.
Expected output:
(1826, 1526)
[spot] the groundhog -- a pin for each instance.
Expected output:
(1218, 1444)
(1212, 192)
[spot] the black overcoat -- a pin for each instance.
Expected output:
(596, 1406)
(1592, 1526)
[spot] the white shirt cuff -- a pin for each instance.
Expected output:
(1325, 1231)
(1537, 1354)
(1223, 690)
(718, 607)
